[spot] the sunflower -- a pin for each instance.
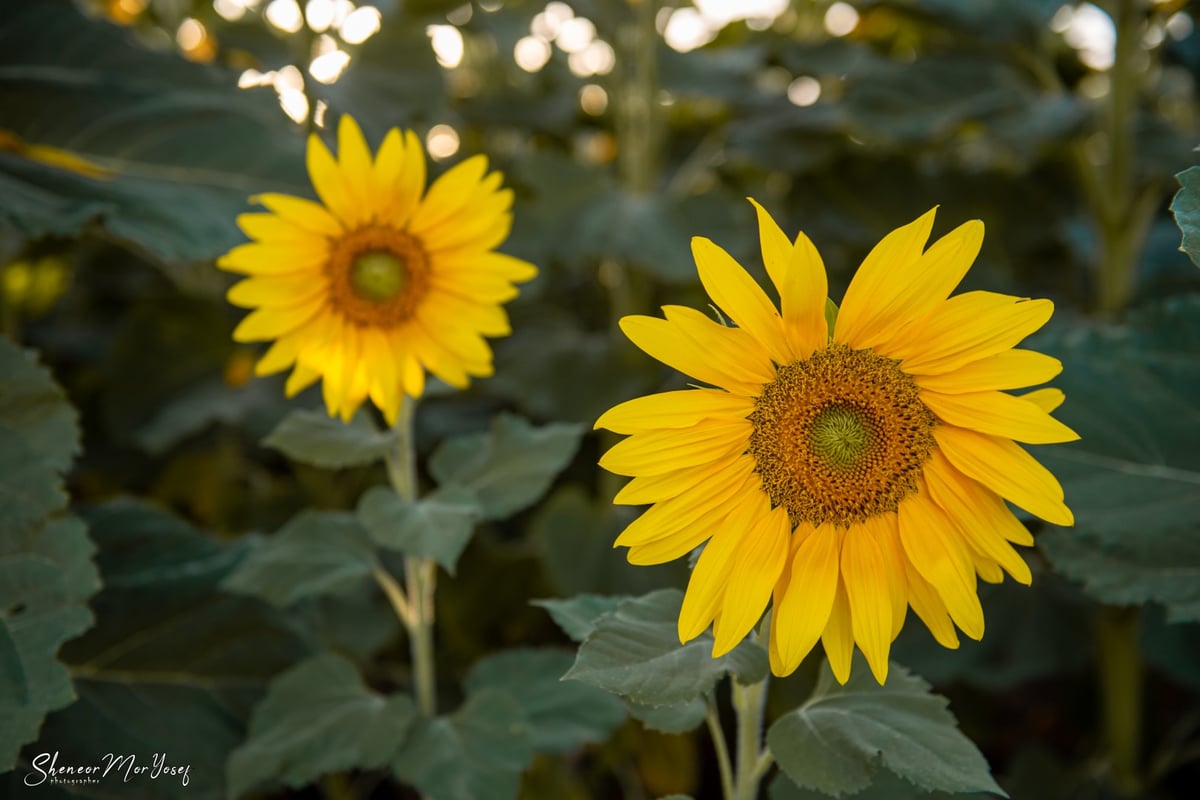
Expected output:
(843, 467)
(380, 281)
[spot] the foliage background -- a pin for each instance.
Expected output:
(136, 489)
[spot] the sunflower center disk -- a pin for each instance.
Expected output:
(378, 276)
(840, 437)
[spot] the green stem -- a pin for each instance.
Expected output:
(748, 702)
(722, 749)
(1121, 693)
(416, 608)
(1119, 238)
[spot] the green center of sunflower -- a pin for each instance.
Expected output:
(840, 437)
(378, 276)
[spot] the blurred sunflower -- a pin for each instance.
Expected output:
(849, 473)
(381, 280)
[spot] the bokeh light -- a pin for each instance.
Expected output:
(360, 25)
(531, 53)
(447, 44)
(841, 19)
(442, 142)
(804, 91)
(285, 15)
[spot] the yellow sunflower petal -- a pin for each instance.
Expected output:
(279, 356)
(887, 533)
(384, 379)
(911, 291)
(1011, 369)
(739, 296)
(667, 343)
(756, 567)
(656, 452)
(355, 159)
(740, 350)
(867, 579)
(275, 259)
(932, 544)
(838, 637)
(803, 606)
(675, 545)
(708, 497)
(999, 414)
(1047, 399)
(1008, 470)
(680, 409)
(982, 524)
(879, 278)
(302, 213)
(449, 194)
(655, 488)
(331, 185)
(270, 228)
(798, 273)
(987, 570)
(277, 290)
(706, 587)
(301, 378)
(929, 607)
(271, 323)
(966, 328)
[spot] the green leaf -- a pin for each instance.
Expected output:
(317, 718)
(833, 742)
(577, 616)
(562, 715)
(1133, 479)
(46, 571)
(437, 526)
(1186, 208)
(315, 553)
(509, 467)
(679, 718)
(173, 664)
(884, 786)
(574, 532)
(476, 753)
(635, 652)
(313, 437)
(165, 133)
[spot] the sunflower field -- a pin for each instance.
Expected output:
(632, 399)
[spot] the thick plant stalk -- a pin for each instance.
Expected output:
(415, 604)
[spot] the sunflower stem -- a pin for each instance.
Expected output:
(724, 765)
(415, 605)
(748, 701)
(1121, 693)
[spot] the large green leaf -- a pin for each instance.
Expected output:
(574, 533)
(173, 665)
(315, 553)
(476, 753)
(313, 437)
(437, 526)
(884, 786)
(46, 571)
(1134, 477)
(577, 616)
(180, 146)
(1186, 208)
(509, 467)
(316, 718)
(679, 718)
(634, 651)
(562, 715)
(836, 739)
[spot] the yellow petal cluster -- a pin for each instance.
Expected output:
(381, 280)
(841, 476)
